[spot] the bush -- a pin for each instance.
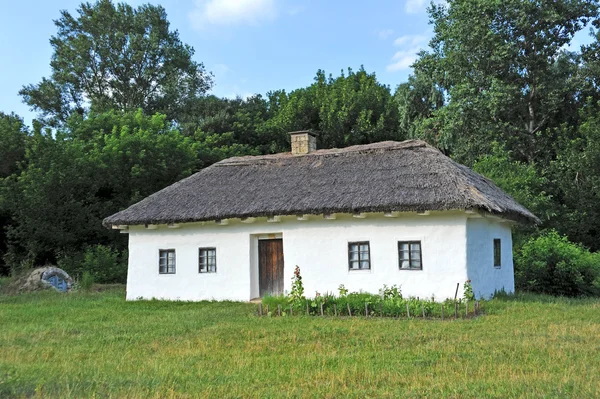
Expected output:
(104, 264)
(86, 281)
(551, 264)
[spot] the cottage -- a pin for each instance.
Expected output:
(364, 216)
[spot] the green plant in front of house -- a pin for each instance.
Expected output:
(297, 293)
(468, 291)
(389, 302)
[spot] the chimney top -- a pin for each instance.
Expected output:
(303, 142)
(310, 132)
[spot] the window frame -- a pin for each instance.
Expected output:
(160, 257)
(497, 252)
(207, 257)
(359, 260)
(410, 259)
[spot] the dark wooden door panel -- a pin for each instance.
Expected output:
(270, 267)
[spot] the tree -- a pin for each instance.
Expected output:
(523, 181)
(576, 177)
(89, 169)
(13, 136)
(117, 57)
(13, 139)
(347, 110)
(505, 73)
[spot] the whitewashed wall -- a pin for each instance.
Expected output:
(485, 278)
(319, 247)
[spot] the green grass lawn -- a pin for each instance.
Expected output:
(98, 345)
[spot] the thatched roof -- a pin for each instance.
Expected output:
(381, 177)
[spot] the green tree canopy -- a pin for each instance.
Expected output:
(504, 72)
(120, 58)
(89, 169)
(347, 110)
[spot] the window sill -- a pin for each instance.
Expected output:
(359, 271)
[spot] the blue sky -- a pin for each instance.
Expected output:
(251, 46)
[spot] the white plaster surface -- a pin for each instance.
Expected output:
(320, 248)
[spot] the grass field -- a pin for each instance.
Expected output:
(98, 345)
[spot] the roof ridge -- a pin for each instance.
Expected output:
(388, 145)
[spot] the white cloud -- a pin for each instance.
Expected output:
(385, 33)
(410, 40)
(402, 60)
(232, 12)
(414, 6)
(409, 46)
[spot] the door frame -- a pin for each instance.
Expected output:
(271, 266)
(254, 276)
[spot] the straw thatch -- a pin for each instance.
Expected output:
(380, 177)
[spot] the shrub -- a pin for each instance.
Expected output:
(104, 264)
(86, 281)
(551, 264)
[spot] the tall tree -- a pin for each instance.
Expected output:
(87, 170)
(576, 179)
(505, 73)
(117, 57)
(13, 141)
(346, 110)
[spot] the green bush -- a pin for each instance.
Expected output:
(551, 264)
(86, 281)
(104, 264)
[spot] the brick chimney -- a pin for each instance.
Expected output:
(303, 142)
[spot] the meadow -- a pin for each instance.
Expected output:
(98, 345)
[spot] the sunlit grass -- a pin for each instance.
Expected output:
(96, 344)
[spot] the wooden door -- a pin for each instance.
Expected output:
(270, 267)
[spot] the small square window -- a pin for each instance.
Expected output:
(207, 260)
(409, 255)
(166, 261)
(359, 256)
(497, 252)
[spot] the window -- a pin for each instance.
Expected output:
(409, 255)
(166, 261)
(207, 260)
(497, 252)
(359, 256)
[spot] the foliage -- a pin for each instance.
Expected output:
(523, 181)
(387, 303)
(347, 110)
(390, 292)
(92, 168)
(104, 265)
(13, 138)
(117, 58)
(505, 72)
(551, 264)
(576, 172)
(297, 291)
(468, 291)
(86, 281)
(198, 344)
